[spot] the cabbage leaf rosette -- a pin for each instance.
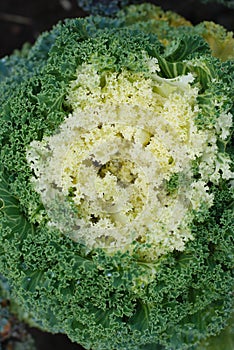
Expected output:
(116, 180)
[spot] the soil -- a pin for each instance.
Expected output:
(23, 20)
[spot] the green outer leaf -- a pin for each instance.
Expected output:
(140, 319)
(103, 7)
(3, 69)
(186, 46)
(228, 3)
(9, 206)
(222, 341)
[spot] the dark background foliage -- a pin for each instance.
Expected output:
(23, 20)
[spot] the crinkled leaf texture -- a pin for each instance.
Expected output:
(228, 3)
(142, 295)
(103, 7)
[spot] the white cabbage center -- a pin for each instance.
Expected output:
(103, 177)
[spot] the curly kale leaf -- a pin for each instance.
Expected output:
(104, 7)
(228, 3)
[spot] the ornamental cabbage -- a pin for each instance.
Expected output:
(116, 180)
